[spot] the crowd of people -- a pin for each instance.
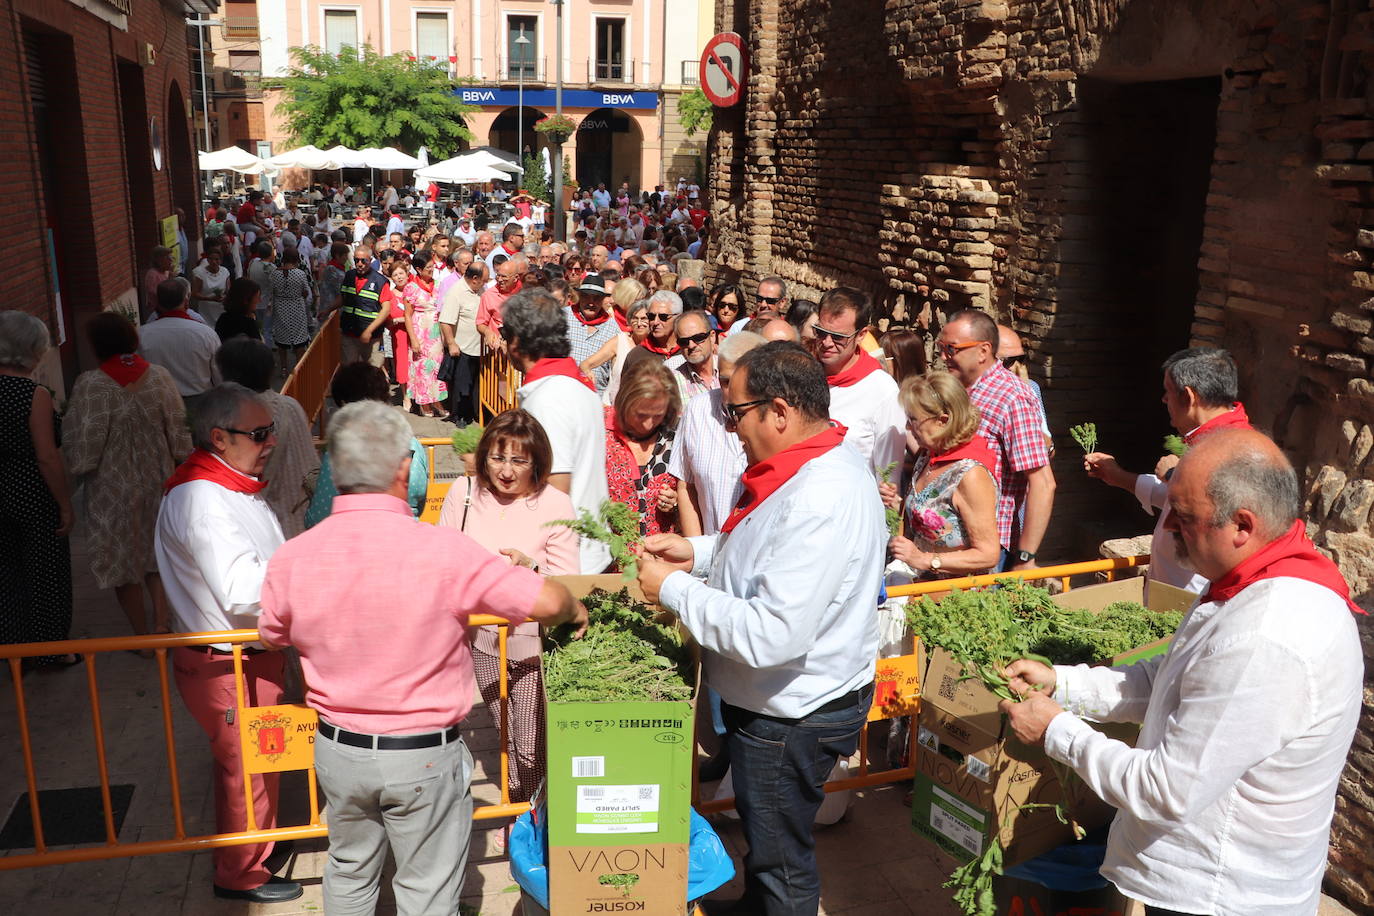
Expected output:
(759, 438)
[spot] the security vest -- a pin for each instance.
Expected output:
(360, 306)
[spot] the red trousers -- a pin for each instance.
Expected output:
(206, 684)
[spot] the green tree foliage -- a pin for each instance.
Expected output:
(536, 178)
(372, 100)
(694, 112)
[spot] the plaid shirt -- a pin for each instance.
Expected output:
(1012, 422)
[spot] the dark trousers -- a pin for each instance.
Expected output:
(779, 768)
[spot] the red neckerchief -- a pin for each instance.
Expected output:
(334, 263)
(976, 448)
(509, 252)
(178, 313)
(562, 365)
(648, 344)
(1235, 418)
(860, 369)
(202, 465)
(420, 282)
(621, 320)
(1291, 555)
(763, 479)
(125, 368)
(577, 313)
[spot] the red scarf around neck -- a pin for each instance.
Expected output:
(763, 479)
(1291, 555)
(648, 344)
(562, 365)
(621, 320)
(1235, 418)
(202, 465)
(577, 313)
(861, 369)
(177, 313)
(976, 448)
(125, 368)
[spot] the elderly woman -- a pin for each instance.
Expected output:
(35, 504)
(209, 283)
(640, 429)
(124, 433)
(507, 508)
(950, 512)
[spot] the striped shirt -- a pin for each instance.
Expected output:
(709, 458)
(1012, 422)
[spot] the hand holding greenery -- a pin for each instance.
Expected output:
(624, 655)
(465, 440)
(1085, 434)
(617, 526)
(1175, 445)
(893, 516)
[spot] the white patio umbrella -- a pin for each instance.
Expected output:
(235, 159)
(388, 158)
(345, 158)
(482, 157)
(458, 170)
(303, 157)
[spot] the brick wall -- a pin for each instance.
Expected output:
(1116, 179)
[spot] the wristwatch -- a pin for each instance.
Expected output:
(935, 563)
(1024, 556)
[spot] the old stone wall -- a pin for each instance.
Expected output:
(1115, 178)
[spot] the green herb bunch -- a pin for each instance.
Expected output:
(624, 655)
(465, 440)
(972, 881)
(893, 516)
(1082, 637)
(1085, 434)
(624, 882)
(617, 526)
(1175, 445)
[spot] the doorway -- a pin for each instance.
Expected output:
(609, 146)
(138, 160)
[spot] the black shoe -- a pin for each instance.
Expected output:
(276, 890)
(282, 851)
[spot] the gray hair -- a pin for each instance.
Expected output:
(1264, 484)
(670, 298)
(23, 340)
(640, 305)
(538, 322)
(738, 344)
(367, 440)
(218, 408)
(1209, 371)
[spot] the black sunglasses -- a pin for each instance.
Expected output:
(733, 412)
(666, 316)
(1013, 360)
(771, 300)
(257, 435)
(821, 333)
(694, 339)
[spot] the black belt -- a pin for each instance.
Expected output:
(849, 699)
(213, 650)
(389, 742)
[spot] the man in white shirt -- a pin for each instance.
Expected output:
(863, 397)
(458, 324)
(564, 402)
(465, 232)
(182, 345)
(786, 616)
(213, 539)
(1224, 803)
(362, 221)
(601, 197)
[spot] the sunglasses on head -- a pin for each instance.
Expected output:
(257, 435)
(694, 339)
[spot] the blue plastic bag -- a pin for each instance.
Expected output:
(1073, 867)
(709, 865)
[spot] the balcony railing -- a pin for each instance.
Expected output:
(249, 80)
(610, 71)
(691, 72)
(240, 27)
(535, 69)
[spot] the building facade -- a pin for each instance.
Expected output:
(96, 95)
(624, 65)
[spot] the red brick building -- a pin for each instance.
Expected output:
(95, 100)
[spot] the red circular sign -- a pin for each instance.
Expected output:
(724, 69)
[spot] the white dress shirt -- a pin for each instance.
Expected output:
(788, 615)
(395, 225)
(710, 458)
(184, 348)
(1226, 799)
(1153, 494)
(869, 408)
(575, 422)
(212, 546)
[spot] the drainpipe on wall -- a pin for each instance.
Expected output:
(662, 96)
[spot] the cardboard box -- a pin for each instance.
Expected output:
(619, 795)
(972, 774)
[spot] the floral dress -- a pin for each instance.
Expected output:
(424, 384)
(637, 486)
(931, 518)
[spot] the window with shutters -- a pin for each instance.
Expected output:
(431, 38)
(340, 30)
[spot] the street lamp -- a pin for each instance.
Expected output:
(521, 41)
(556, 161)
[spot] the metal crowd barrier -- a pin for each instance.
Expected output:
(92, 649)
(498, 381)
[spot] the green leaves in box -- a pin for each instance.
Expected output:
(625, 655)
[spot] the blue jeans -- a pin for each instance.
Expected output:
(779, 768)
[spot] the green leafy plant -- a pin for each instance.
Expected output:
(972, 881)
(465, 440)
(893, 516)
(359, 98)
(617, 526)
(624, 655)
(624, 881)
(535, 181)
(1175, 445)
(695, 112)
(1085, 434)
(560, 126)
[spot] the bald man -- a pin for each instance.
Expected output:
(1225, 802)
(779, 329)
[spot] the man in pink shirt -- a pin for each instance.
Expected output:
(392, 681)
(509, 278)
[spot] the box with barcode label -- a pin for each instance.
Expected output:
(618, 799)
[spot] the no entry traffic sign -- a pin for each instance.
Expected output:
(724, 69)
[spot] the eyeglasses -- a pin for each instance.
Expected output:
(694, 339)
(771, 300)
(733, 412)
(666, 316)
(518, 464)
(258, 435)
(839, 338)
(1013, 360)
(947, 350)
(362, 260)
(732, 306)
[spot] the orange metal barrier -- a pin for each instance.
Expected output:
(309, 381)
(498, 381)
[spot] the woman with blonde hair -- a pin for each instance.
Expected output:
(628, 300)
(640, 429)
(949, 515)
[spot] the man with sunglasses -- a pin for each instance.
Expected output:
(784, 615)
(365, 299)
(1012, 421)
(214, 536)
(863, 397)
(695, 363)
(590, 327)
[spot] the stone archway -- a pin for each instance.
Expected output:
(507, 124)
(609, 143)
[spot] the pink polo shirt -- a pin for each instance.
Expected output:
(377, 603)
